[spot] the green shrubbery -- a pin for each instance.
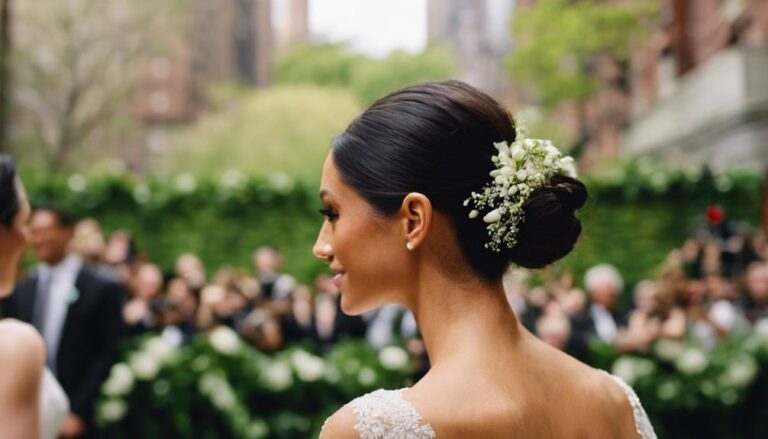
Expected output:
(689, 391)
(219, 387)
(635, 215)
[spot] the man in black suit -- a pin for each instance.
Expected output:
(78, 312)
(601, 320)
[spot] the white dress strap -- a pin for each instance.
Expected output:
(642, 423)
(384, 414)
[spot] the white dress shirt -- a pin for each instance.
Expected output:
(604, 323)
(61, 280)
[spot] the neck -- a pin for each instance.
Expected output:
(8, 264)
(58, 260)
(460, 320)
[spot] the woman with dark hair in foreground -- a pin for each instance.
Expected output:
(32, 403)
(430, 195)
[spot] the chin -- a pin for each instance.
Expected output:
(352, 305)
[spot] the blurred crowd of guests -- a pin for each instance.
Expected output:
(717, 282)
(714, 284)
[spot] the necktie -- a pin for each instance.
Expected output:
(41, 302)
(40, 318)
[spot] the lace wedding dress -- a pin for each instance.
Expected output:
(384, 414)
(54, 406)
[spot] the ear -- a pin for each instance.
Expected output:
(416, 212)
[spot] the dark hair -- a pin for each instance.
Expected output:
(437, 139)
(64, 218)
(9, 193)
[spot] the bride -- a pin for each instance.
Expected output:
(32, 403)
(429, 196)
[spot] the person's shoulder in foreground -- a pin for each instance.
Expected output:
(22, 356)
(341, 425)
(570, 400)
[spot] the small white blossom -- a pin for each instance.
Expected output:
(232, 179)
(142, 193)
(668, 390)
(691, 361)
(667, 349)
(160, 349)
(308, 367)
(145, 366)
(77, 183)
(185, 183)
(366, 376)
(474, 213)
(393, 358)
(521, 167)
(120, 380)
(492, 216)
(224, 340)
(740, 372)
(112, 410)
(277, 376)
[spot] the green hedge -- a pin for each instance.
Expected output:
(219, 387)
(692, 392)
(635, 215)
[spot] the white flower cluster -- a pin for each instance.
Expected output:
(521, 167)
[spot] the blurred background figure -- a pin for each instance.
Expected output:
(88, 241)
(178, 313)
(145, 288)
(267, 263)
(120, 254)
(190, 268)
(756, 287)
(602, 318)
(77, 311)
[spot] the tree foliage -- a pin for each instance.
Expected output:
(367, 78)
(73, 68)
(286, 129)
(558, 42)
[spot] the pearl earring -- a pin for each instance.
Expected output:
(409, 245)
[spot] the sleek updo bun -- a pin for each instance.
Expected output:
(437, 139)
(550, 228)
(9, 197)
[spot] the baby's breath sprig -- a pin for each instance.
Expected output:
(521, 167)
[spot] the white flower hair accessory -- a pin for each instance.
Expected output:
(521, 167)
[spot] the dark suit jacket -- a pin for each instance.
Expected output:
(91, 331)
(583, 330)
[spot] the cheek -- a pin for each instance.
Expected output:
(376, 270)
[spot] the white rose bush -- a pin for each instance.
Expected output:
(687, 388)
(219, 386)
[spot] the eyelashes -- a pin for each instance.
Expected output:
(329, 213)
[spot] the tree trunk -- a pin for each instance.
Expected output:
(5, 74)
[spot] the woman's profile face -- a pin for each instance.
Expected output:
(365, 251)
(14, 240)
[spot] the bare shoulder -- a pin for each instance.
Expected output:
(20, 343)
(22, 356)
(613, 402)
(341, 425)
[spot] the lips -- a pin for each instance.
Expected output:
(337, 279)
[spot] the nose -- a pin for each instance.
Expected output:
(323, 248)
